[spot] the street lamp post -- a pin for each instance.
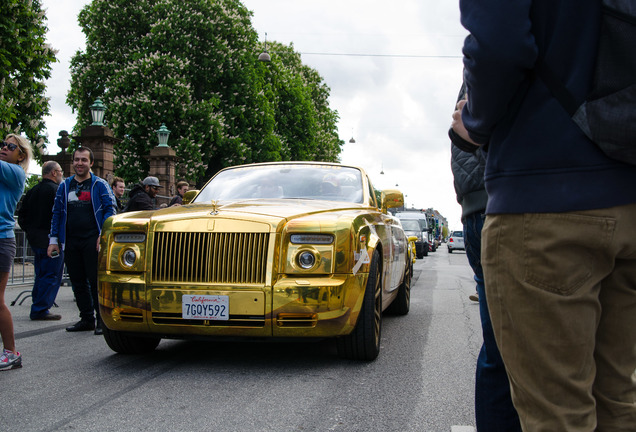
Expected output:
(97, 112)
(162, 134)
(264, 56)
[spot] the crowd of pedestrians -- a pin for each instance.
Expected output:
(62, 219)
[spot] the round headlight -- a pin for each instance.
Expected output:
(129, 257)
(306, 260)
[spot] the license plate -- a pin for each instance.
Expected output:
(208, 307)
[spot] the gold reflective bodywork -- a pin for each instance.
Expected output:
(244, 251)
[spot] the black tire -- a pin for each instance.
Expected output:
(363, 343)
(450, 250)
(124, 343)
(425, 253)
(402, 302)
(419, 255)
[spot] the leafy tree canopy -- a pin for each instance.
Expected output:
(25, 63)
(193, 66)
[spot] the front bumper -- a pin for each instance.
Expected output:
(324, 306)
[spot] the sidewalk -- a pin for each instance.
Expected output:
(22, 324)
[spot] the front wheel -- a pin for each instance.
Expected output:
(363, 343)
(125, 343)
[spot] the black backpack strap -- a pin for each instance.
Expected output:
(556, 87)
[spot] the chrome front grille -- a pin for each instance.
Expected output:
(209, 257)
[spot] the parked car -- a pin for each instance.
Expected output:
(456, 241)
(421, 232)
(412, 228)
(284, 250)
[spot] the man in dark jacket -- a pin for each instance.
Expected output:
(119, 187)
(494, 410)
(182, 188)
(34, 218)
(559, 241)
(142, 196)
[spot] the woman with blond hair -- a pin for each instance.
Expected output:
(15, 155)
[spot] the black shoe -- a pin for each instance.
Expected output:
(48, 317)
(81, 326)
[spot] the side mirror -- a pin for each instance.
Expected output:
(189, 196)
(391, 198)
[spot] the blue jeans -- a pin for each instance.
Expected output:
(48, 276)
(494, 411)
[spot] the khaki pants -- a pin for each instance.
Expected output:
(561, 289)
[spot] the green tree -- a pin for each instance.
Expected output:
(25, 63)
(31, 181)
(444, 231)
(303, 121)
(193, 66)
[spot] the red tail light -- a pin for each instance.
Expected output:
(450, 240)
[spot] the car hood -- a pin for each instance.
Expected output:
(271, 211)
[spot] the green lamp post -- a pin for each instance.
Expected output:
(97, 112)
(162, 134)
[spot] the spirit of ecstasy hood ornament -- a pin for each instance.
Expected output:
(215, 208)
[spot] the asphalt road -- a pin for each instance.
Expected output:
(423, 379)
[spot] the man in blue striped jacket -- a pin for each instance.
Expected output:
(82, 204)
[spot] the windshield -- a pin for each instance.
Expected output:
(410, 224)
(285, 181)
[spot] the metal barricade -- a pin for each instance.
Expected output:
(22, 271)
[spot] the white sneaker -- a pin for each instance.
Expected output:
(10, 360)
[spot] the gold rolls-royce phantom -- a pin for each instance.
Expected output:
(272, 250)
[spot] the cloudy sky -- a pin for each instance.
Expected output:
(394, 70)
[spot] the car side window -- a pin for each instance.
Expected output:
(374, 193)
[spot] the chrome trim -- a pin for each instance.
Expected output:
(209, 257)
